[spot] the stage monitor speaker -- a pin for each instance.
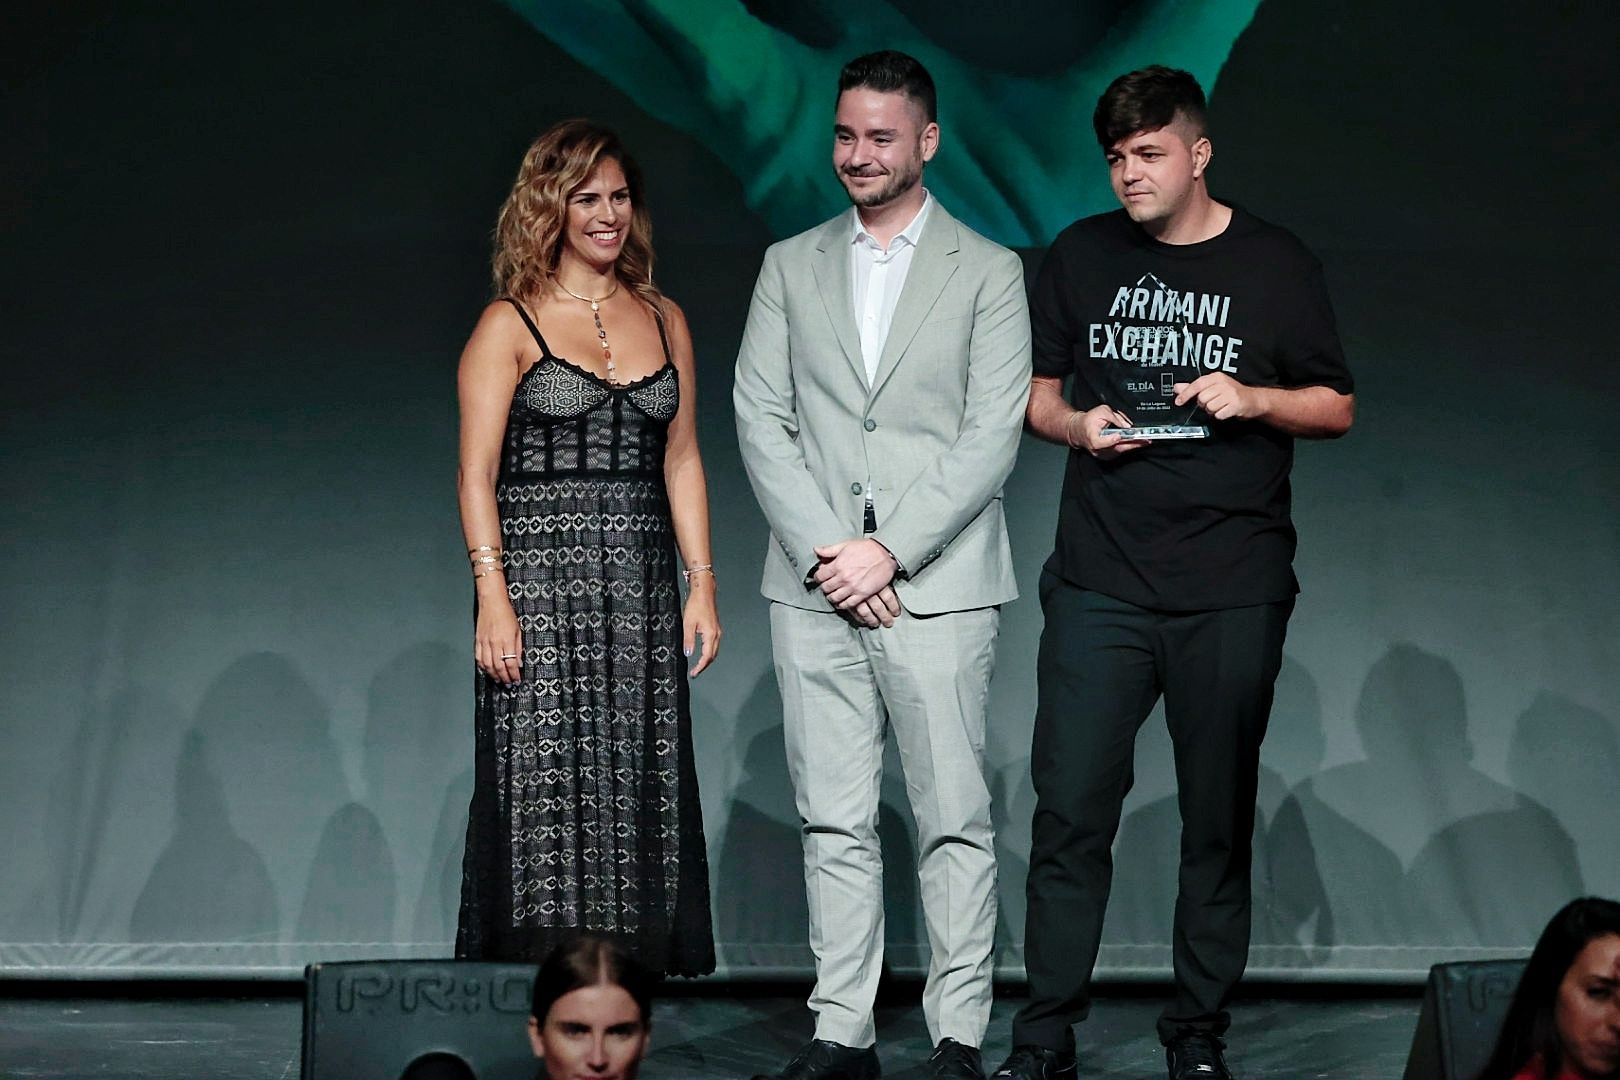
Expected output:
(372, 1020)
(1463, 1008)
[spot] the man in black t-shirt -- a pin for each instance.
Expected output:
(1172, 575)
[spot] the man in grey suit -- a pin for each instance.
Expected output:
(880, 391)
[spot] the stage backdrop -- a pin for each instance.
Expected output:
(244, 243)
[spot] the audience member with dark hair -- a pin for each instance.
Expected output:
(438, 1066)
(1182, 318)
(592, 1011)
(1564, 1023)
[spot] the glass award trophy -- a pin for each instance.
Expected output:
(1147, 394)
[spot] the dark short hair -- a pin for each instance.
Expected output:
(892, 72)
(1530, 1029)
(587, 960)
(438, 1066)
(1147, 100)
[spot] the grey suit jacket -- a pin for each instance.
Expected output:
(935, 435)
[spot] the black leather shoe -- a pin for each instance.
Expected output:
(1036, 1063)
(1196, 1056)
(824, 1060)
(952, 1060)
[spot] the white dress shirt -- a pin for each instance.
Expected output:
(878, 276)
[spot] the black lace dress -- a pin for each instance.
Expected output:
(585, 809)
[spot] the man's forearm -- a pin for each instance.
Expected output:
(1306, 412)
(1048, 414)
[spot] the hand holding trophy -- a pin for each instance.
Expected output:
(1151, 393)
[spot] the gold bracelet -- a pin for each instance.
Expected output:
(705, 568)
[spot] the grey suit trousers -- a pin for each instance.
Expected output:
(928, 676)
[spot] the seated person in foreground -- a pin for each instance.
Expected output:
(1564, 1023)
(592, 1011)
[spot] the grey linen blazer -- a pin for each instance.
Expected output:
(935, 435)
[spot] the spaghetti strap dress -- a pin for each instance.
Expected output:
(585, 812)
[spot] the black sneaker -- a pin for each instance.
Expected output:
(1196, 1056)
(1036, 1063)
(822, 1059)
(952, 1060)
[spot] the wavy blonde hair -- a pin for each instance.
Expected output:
(529, 230)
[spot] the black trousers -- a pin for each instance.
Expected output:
(1103, 664)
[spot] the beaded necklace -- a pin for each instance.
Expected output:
(601, 333)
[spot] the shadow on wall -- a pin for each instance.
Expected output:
(263, 810)
(1012, 799)
(417, 747)
(1412, 845)
(1287, 881)
(418, 770)
(97, 824)
(257, 779)
(1567, 757)
(1483, 864)
(209, 884)
(767, 922)
(439, 901)
(352, 883)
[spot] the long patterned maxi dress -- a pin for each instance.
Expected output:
(585, 809)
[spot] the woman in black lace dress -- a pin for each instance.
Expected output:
(579, 478)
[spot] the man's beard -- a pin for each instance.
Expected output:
(899, 181)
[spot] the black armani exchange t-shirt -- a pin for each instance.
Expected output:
(1188, 525)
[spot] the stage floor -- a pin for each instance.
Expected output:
(161, 1033)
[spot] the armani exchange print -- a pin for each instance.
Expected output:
(1200, 524)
